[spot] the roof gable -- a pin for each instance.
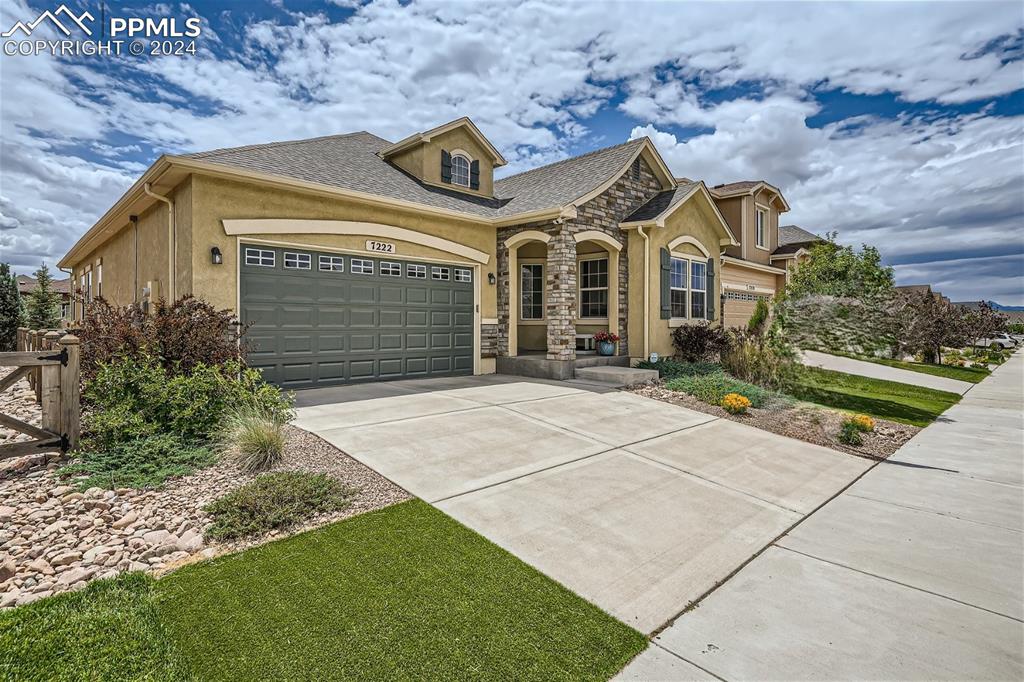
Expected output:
(656, 211)
(426, 136)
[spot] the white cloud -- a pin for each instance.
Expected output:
(393, 68)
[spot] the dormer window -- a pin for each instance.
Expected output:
(460, 170)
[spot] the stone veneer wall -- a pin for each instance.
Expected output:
(602, 213)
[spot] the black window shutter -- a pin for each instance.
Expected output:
(446, 166)
(666, 284)
(474, 175)
(712, 292)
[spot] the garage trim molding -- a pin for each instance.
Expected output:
(350, 227)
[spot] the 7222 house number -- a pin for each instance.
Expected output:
(379, 247)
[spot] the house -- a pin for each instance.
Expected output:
(28, 284)
(920, 289)
(755, 268)
(354, 258)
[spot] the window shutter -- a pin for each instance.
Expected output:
(712, 292)
(446, 166)
(666, 284)
(474, 175)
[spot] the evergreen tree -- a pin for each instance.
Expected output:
(12, 311)
(43, 302)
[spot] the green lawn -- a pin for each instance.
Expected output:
(971, 374)
(886, 399)
(402, 593)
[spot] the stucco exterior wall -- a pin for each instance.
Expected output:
(695, 219)
(459, 138)
(216, 199)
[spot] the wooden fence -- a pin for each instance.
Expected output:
(50, 361)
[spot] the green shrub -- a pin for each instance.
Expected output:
(141, 463)
(136, 398)
(712, 388)
(849, 434)
(254, 437)
(668, 368)
(757, 321)
(766, 362)
(275, 501)
(699, 342)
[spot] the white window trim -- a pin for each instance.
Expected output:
(330, 263)
(685, 288)
(466, 273)
(357, 265)
(691, 291)
(765, 225)
(418, 268)
(440, 273)
(390, 264)
(300, 264)
(260, 255)
(543, 319)
(580, 289)
(469, 168)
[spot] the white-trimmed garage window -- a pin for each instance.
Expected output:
(677, 286)
(332, 263)
(361, 267)
(698, 290)
(297, 261)
(389, 269)
(414, 271)
(463, 275)
(440, 273)
(261, 257)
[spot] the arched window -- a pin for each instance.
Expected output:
(460, 170)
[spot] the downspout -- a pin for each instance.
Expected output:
(170, 239)
(134, 219)
(647, 290)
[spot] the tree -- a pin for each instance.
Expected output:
(985, 321)
(924, 323)
(12, 310)
(43, 302)
(840, 272)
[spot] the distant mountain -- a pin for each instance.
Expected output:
(995, 306)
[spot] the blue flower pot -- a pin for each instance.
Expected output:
(606, 348)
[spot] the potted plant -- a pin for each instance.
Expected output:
(606, 342)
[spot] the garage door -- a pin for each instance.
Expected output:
(322, 319)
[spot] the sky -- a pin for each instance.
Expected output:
(899, 125)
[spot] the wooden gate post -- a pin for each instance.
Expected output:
(50, 387)
(69, 392)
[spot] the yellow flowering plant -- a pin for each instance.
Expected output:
(734, 403)
(863, 422)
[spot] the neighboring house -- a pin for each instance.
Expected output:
(794, 246)
(921, 288)
(358, 259)
(754, 268)
(27, 284)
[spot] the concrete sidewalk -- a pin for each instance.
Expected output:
(914, 572)
(877, 371)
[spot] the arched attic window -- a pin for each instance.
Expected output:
(460, 170)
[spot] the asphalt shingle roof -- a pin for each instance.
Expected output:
(352, 162)
(27, 284)
(793, 234)
(661, 202)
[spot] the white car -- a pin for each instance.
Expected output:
(1002, 339)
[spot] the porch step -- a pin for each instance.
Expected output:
(601, 360)
(616, 376)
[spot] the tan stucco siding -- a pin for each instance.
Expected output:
(732, 211)
(741, 214)
(457, 139)
(216, 199)
(695, 219)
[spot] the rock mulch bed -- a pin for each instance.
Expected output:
(812, 424)
(55, 538)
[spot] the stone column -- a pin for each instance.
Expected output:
(613, 291)
(513, 302)
(561, 295)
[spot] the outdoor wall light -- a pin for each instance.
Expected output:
(215, 256)
(491, 279)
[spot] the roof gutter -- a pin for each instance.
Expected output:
(170, 238)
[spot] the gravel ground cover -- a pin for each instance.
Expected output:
(56, 538)
(808, 423)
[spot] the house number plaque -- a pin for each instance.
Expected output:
(379, 247)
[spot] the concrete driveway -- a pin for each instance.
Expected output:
(637, 505)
